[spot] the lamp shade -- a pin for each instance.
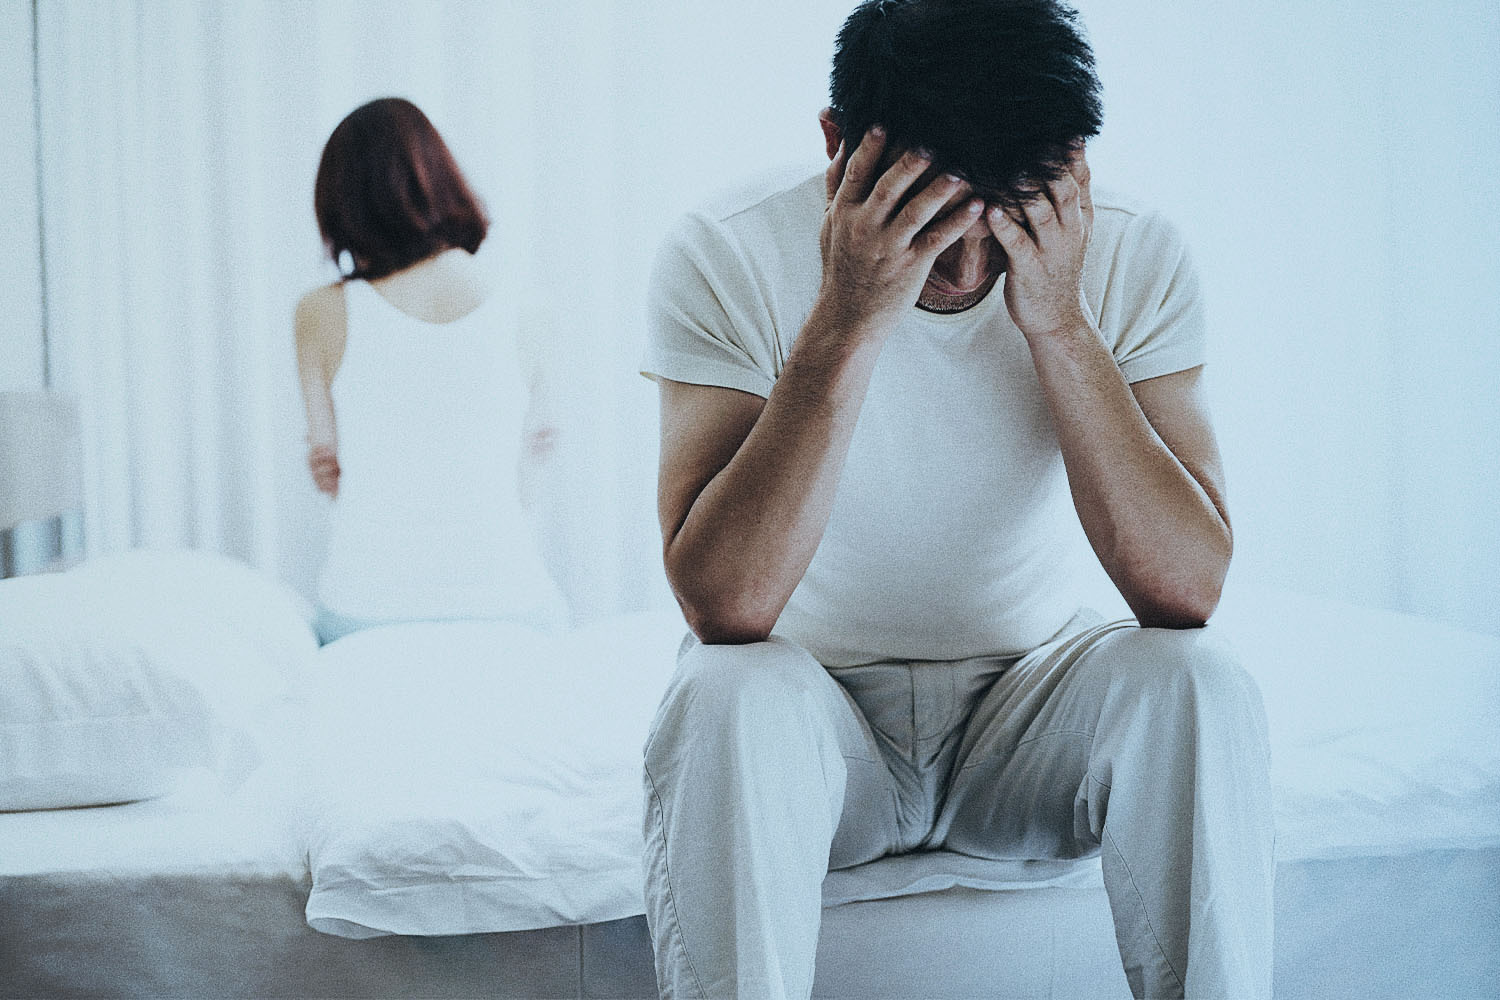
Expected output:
(40, 468)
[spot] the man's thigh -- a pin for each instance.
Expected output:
(1022, 768)
(735, 710)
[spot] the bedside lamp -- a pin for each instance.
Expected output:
(41, 480)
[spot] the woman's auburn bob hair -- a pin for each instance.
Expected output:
(389, 192)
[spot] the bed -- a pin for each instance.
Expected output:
(315, 838)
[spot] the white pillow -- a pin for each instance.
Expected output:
(470, 777)
(121, 675)
(271, 618)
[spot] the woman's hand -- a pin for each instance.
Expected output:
(324, 464)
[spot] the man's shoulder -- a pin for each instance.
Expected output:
(758, 235)
(1118, 212)
(1121, 204)
(1120, 216)
(778, 190)
(764, 215)
(733, 279)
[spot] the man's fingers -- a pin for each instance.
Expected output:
(1014, 239)
(1066, 203)
(1018, 218)
(891, 189)
(859, 174)
(943, 233)
(1053, 196)
(926, 204)
(1068, 200)
(1040, 216)
(1078, 166)
(835, 172)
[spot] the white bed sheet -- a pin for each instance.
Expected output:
(1383, 726)
(205, 826)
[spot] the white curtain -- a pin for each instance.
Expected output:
(1331, 164)
(180, 141)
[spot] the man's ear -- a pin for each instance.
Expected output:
(832, 136)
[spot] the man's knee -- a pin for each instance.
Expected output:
(1190, 668)
(754, 689)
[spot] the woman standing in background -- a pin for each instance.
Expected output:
(417, 412)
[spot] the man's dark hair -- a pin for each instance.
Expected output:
(1000, 92)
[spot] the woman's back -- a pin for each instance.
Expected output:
(429, 403)
(438, 290)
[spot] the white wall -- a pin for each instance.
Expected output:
(20, 268)
(1333, 166)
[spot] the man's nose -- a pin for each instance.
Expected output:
(973, 254)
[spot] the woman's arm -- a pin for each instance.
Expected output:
(321, 325)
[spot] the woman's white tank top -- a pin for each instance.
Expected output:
(428, 522)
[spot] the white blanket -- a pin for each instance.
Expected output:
(481, 777)
(468, 777)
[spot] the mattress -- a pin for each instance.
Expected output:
(203, 894)
(1387, 807)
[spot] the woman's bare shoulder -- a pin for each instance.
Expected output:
(321, 325)
(321, 308)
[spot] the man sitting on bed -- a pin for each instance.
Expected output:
(884, 393)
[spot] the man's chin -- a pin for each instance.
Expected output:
(939, 297)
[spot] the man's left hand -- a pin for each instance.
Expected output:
(1043, 283)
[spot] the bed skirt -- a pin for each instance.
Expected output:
(1395, 927)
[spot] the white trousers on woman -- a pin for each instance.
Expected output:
(764, 769)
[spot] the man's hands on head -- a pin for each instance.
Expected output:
(882, 232)
(1044, 279)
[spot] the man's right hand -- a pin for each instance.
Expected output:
(879, 244)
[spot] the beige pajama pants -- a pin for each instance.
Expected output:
(764, 769)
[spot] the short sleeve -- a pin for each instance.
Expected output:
(1159, 326)
(707, 322)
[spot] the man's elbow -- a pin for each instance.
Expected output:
(724, 621)
(718, 615)
(1177, 605)
(728, 633)
(1179, 587)
(1181, 596)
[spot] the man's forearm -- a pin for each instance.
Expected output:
(744, 541)
(1154, 527)
(751, 533)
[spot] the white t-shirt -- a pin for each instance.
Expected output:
(952, 524)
